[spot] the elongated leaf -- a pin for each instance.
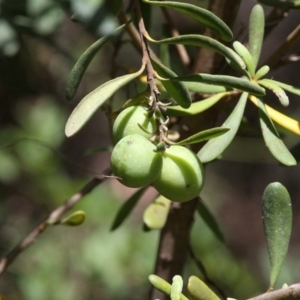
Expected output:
(91, 102)
(229, 81)
(155, 215)
(204, 136)
(281, 119)
(196, 107)
(177, 90)
(244, 53)
(277, 219)
(199, 290)
(201, 15)
(264, 70)
(256, 32)
(163, 285)
(126, 208)
(210, 220)
(281, 4)
(214, 147)
(202, 41)
(83, 62)
(277, 90)
(287, 87)
(176, 289)
(205, 88)
(272, 140)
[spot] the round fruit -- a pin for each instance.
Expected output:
(127, 123)
(182, 175)
(134, 161)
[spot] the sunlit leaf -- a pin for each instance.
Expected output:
(196, 107)
(281, 4)
(229, 81)
(277, 219)
(277, 90)
(272, 140)
(256, 32)
(202, 41)
(176, 89)
(199, 290)
(176, 289)
(155, 215)
(287, 87)
(201, 15)
(210, 220)
(83, 62)
(127, 208)
(281, 119)
(214, 147)
(91, 102)
(204, 136)
(163, 285)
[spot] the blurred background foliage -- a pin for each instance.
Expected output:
(40, 168)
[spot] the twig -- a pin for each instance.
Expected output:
(202, 269)
(274, 60)
(6, 261)
(289, 293)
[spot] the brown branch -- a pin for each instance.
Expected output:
(289, 293)
(7, 260)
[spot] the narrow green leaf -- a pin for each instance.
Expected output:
(282, 4)
(277, 219)
(287, 87)
(256, 32)
(277, 90)
(199, 290)
(201, 15)
(210, 220)
(204, 136)
(214, 147)
(244, 53)
(272, 140)
(155, 215)
(83, 62)
(264, 70)
(202, 41)
(163, 285)
(176, 288)
(196, 107)
(126, 208)
(229, 81)
(177, 90)
(146, 10)
(91, 102)
(74, 219)
(205, 88)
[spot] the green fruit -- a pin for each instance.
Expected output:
(182, 175)
(127, 123)
(135, 161)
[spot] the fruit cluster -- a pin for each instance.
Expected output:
(175, 172)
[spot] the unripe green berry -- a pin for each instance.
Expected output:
(182, 175)
(127, 123)
(135, 161)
